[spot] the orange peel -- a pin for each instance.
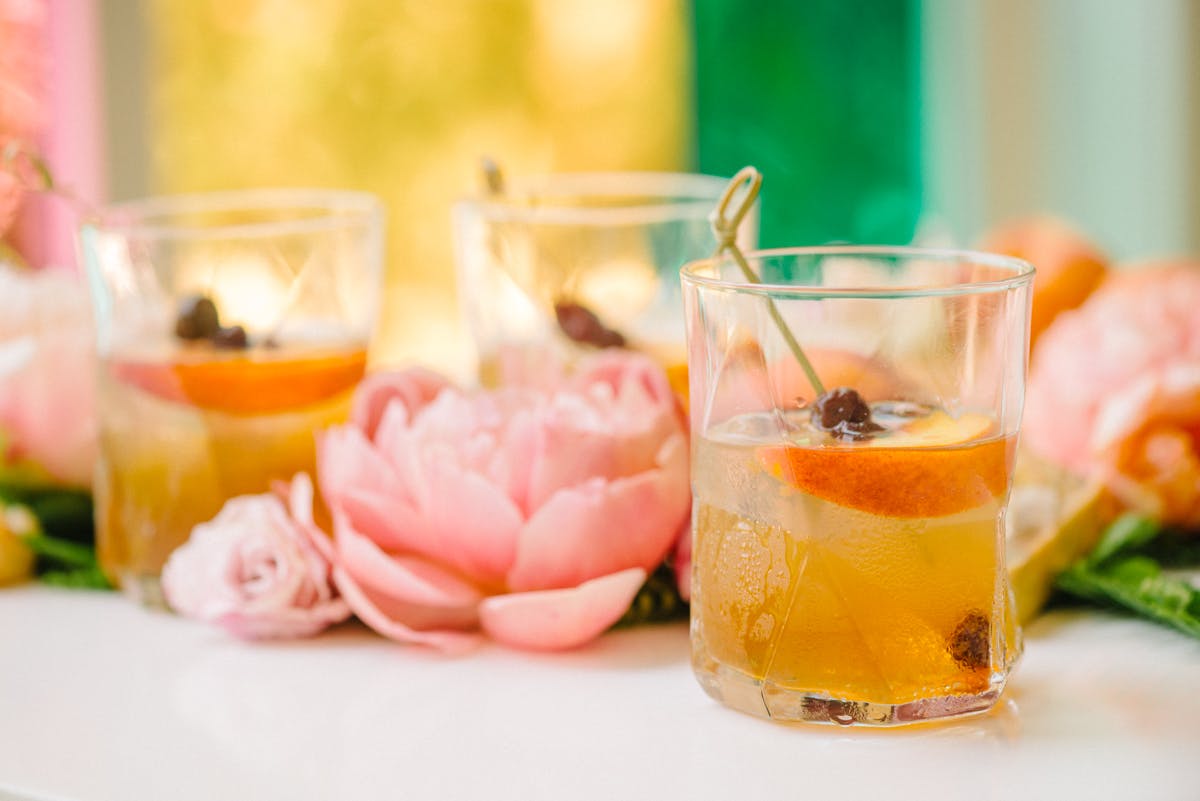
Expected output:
(244, 384)
(936, 467)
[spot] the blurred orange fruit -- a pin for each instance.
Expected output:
(1069, 267)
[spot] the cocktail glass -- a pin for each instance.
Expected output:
(559, 265)
(848, 551)
(230, 327)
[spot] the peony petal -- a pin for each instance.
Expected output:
(601, 527)
(510, 467)
(567, 455)
(1139, 321)
(618, 368)
(1146, 444)
(402, 578)
(346, 459)
(396, 442)
(412, 389)
(387, 521)
(473, 526)
(1169, 394)
(553, 620)
(300, 495)
(450, 642)
(609, 422)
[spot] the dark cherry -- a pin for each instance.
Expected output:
(230, 338)
(843, 412)
(580, 324)
(970, 643)
(197, 318)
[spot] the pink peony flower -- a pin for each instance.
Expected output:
(1114, 390)
(533, 515)
(254, 568)
(46, 373)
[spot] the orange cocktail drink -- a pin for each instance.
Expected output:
(231, 329)
(864, 571)
(848, 561)
(180, 437)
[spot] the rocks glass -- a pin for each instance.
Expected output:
(558, 265)
(848, 517)
(230, 327)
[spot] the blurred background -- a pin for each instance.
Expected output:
(879, 121)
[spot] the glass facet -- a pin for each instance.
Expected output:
(560, 265)
(230, 328)
(848, 546)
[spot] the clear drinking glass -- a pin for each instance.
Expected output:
(561, 264)
(230, 326)
(848, 545)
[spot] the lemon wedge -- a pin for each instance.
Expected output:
(1053, 519)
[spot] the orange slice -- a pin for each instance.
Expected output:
(247, 384)
(937, 466)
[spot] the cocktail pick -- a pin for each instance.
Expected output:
(725, 220)
(493, 178)
(576, 321)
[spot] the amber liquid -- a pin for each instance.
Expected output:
(179, 437)
(805, 582)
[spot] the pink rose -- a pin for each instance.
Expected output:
(255, 570)
(1114, 390)
(46, 373)
(532, 515)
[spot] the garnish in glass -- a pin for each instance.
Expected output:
(841, 411)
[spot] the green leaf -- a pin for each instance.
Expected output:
(71, 554)
(1121, 572)
(83, 578)
(65, 514)
(1175, 549)
(658, 601)
(1127, 533)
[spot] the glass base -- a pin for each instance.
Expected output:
(142, 588)
(766, 699)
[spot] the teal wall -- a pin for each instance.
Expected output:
(823, 97)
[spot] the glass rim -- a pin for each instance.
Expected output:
(155, 217)
(663, 195)
(1022, 273)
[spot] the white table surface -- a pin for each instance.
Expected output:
(101, 700)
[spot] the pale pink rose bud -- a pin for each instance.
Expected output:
(255, 570)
